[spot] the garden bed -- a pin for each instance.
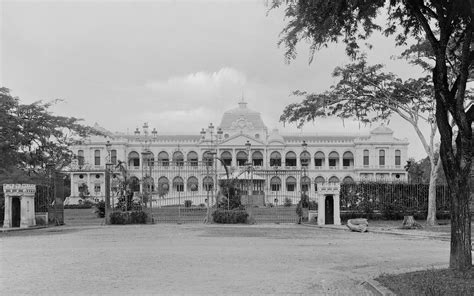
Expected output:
(430, 282)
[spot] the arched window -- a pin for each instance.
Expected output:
(275, 158)
(163, 158)
(208, 183)
(333, 160)
(275, 183)
(178, 158)
(290, 159)
(226, 157)
(334, 179)
(347, 160)
(305, 158)
(192, 158)
(290, 183)
(305, 183)
(133, 159)
(381, 157)
(80, 157)
(398, 156)
(163, 186)
(242, 158)
(148, 158)
(193, 184)
(318, 180)
(97, 157)
(366, 157)
(113, 156)
(257, 158)
(319, 159)
(207, 158)
(348, 179)
(178, 184)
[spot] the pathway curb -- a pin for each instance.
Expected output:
(22, 229)
(344, 228)
(376, 288)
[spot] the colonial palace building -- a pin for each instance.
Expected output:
(269, 164)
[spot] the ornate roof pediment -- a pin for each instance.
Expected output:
(240, 140)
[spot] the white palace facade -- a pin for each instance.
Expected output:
(180, 167)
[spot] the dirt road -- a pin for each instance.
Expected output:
(205, 259)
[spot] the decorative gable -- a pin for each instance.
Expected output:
(240, 140)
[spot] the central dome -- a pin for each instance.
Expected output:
(242, 118)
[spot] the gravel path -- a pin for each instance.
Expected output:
(205, 259)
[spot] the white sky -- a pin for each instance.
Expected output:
(175, 64)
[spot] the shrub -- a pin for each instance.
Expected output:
(313, 205)
(79, 206)
(133, 217)
(138, 217)
(100, 209)
(232, 195)
(118, 218)
(230, 216)
(288, 202)
(392, 212)
(188, 203)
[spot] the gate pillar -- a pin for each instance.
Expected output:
(26, 194)
(325, 190)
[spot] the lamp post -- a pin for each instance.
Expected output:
(215, 139)
(248, 145)
(304, 186)
(304, 145)
(108, 168)
(147, 167)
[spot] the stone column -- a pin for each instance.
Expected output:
(337, 209)
(7, 221)
(321, 208)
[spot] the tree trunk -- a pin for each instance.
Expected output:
(410, 223)
(431, 217)
(461, 249)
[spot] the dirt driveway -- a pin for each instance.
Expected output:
(205, 259)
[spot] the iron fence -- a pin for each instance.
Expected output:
(381, 196)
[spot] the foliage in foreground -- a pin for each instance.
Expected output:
(448, 28)
(31, 137)
(100, 209)
(430, 282)
(235, 216)
(133, 217)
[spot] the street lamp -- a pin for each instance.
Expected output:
(108, 168)
(215, 139)
(248, 145)
(304, 165)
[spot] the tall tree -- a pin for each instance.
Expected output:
(448, 26)
(31, 136)
(366, 93)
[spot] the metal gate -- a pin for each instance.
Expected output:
(185, 192)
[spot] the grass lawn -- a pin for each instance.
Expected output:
(430, 282)
(443, 227)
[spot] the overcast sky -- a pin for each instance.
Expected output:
(177, 65)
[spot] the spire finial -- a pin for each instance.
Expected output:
(242, 103)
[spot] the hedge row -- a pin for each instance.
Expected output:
(230, 216)
(133, 217)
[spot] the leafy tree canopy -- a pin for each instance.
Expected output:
(366, 93)
(31, 136)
